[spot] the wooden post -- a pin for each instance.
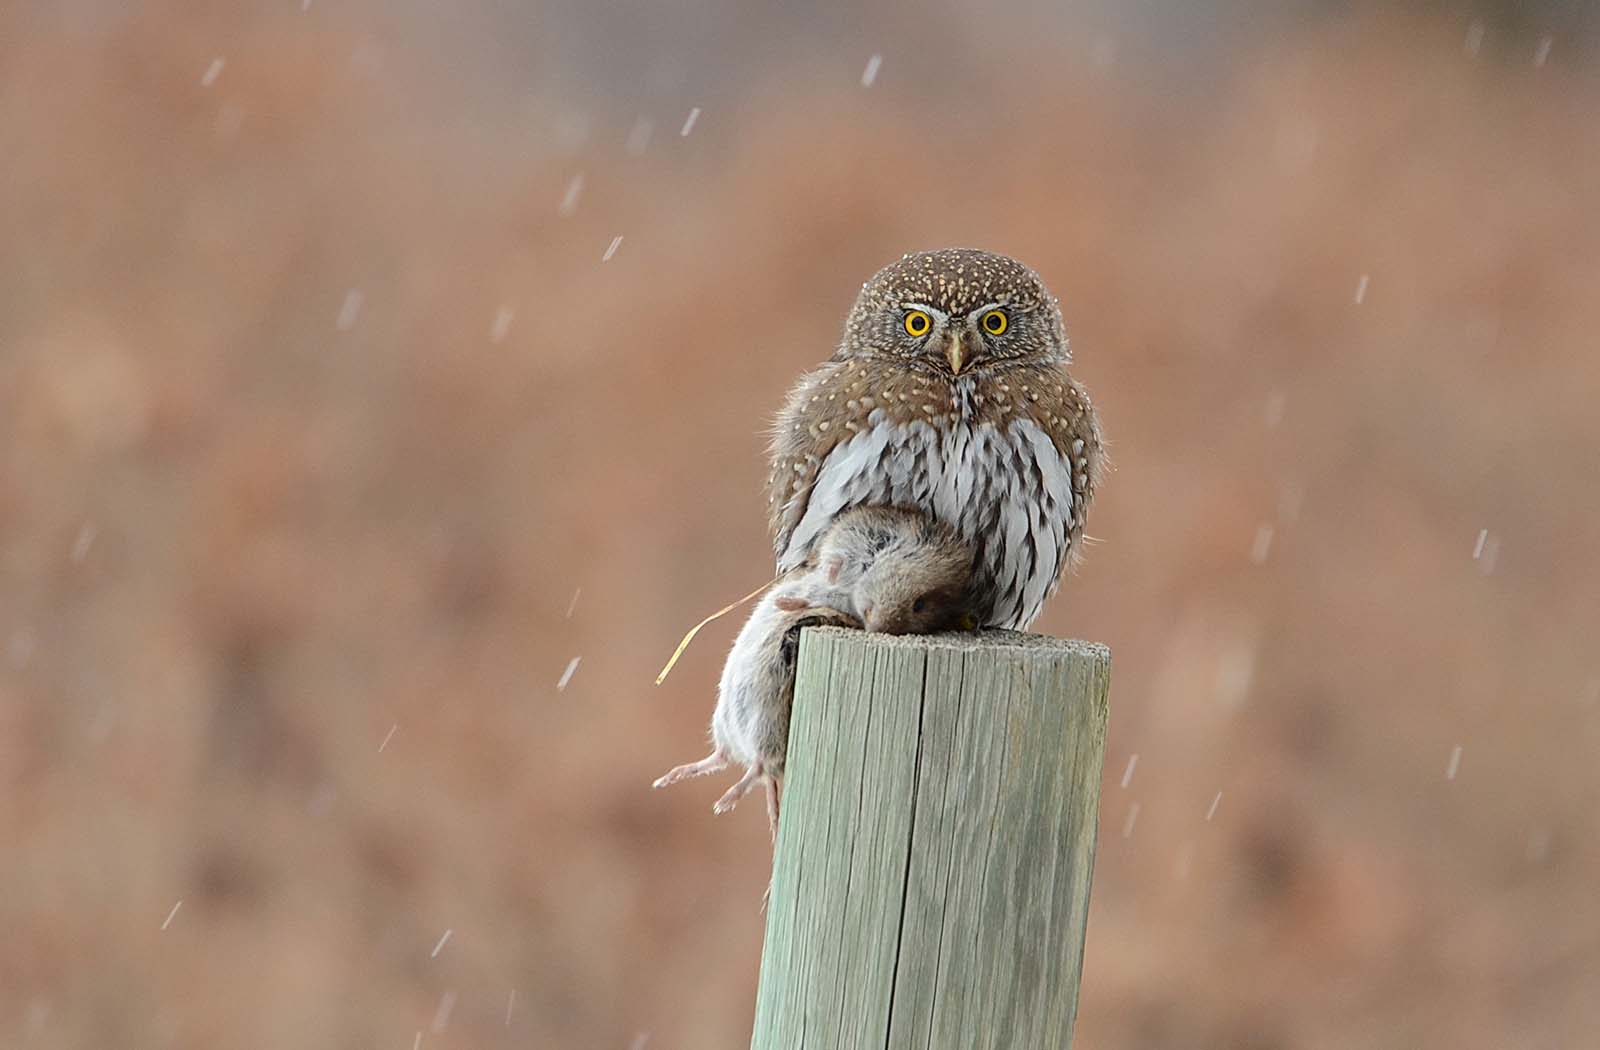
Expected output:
(931, 882)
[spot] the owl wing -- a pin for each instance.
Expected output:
(824, 453)
(1072, 427)
(1052, 462)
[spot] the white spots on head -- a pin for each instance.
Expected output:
(569, 199)
(349, 310)
(611, 249)
(870, 74)
(1077, 447)
(566, 676)
(689, 121)
(1262, 545)
(213, 71)
(1361, 288)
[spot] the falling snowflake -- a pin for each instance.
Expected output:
(870, 74)
(1262, 545)
(639, 136)
(350, 310)
(569, 199)
(502, 324)
(441, 1016)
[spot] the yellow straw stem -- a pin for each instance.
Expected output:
(662, 677)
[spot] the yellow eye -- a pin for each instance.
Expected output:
(918, 323)
(995, 322)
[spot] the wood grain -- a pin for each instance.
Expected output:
(931, 883)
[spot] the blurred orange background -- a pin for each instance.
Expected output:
(339, 431)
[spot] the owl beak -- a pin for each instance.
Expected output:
(954, 353)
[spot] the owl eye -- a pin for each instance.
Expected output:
(919, 605)
(995, 322)
(918, 322)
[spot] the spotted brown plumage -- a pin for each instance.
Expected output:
(983, 430)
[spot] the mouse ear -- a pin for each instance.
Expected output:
(833, 567)
(790, 603)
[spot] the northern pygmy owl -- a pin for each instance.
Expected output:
(948, 394)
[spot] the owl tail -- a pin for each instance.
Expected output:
(725, 610)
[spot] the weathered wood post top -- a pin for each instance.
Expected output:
(931, 882)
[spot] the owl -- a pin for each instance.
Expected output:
(948, 394)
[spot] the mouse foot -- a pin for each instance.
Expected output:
(739, 790)
(715, 762)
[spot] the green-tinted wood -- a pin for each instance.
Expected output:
(931, 882)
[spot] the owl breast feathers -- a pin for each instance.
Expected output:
(948, 395)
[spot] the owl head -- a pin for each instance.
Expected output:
(957, 311)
